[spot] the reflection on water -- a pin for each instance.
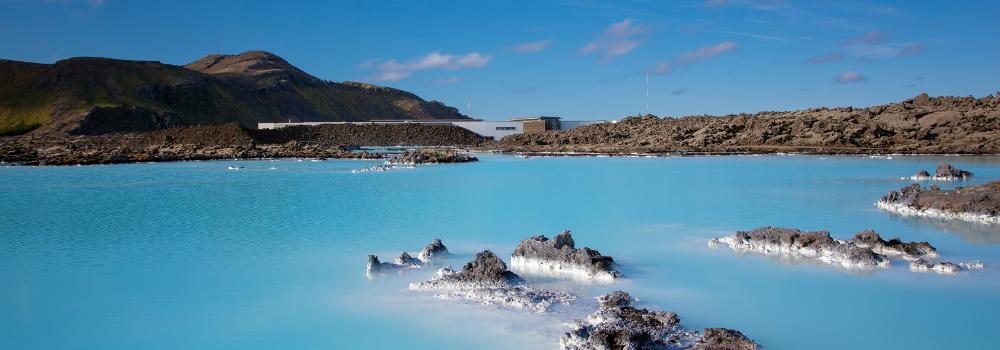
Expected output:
(792, 259)
(972, 232)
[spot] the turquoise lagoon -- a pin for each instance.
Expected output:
(193, 255)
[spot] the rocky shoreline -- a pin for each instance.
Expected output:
(233, 141)
(921, 125)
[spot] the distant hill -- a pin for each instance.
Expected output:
(92, 96)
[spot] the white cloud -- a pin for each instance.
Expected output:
(615, 40)
(849, 77)
(533, 47)
(694, 57)
(836, 56)
(871, 38)
(368, 64)
(393, 71)
(911, 50)
(391, 76)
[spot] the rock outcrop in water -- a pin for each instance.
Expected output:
(944, 172)
(560, 257)
(431, 157)
(818, 245)
(435, 250)
(486, 280)
(617, 324)
(861, 256)
(977, 203)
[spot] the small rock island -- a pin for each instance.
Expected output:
(560, 258)
(617, 324)
(943, 172)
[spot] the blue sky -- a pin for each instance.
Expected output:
(581, 60)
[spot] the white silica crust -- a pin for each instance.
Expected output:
(906, 210)
(934, 178)
(811, 252)
(494, 293)
(560, 269)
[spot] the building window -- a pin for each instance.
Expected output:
(506, 128)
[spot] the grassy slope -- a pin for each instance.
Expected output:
(29, 91)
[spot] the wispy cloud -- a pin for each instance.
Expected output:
(693, 57)
(393, 71)
(615, 40)
(849, 77)
(524, 90)
(767, 5)
(679, 92)
(759, 36)
(836, 56)
(448, 81)
(533, 47)
(911, 50)
(873, 37)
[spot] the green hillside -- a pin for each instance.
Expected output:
(87, 96)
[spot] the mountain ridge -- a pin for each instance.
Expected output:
(95, 95)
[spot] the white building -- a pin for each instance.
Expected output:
(494, 130)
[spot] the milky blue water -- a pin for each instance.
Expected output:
(193, 255)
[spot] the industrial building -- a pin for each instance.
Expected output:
(494, 130)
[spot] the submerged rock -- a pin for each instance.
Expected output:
(486, 279)
(976, 203)
(435, 250)
(816, 245)
(942, 268)
(559, 257)
(617, 324)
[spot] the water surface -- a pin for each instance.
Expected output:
(194, 255)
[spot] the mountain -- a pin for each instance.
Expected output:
(92, 96)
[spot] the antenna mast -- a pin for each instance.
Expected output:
(468, 108)
(647, 90)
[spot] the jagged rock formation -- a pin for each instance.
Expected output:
(920, 125)
(895, 248)
(861, 256)
(978, 203)
(944, 172)
(435, 250)
(617, 324)
(559, 257)
(486, 280)
(431, 157)
(90, 96)
(227, 142)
